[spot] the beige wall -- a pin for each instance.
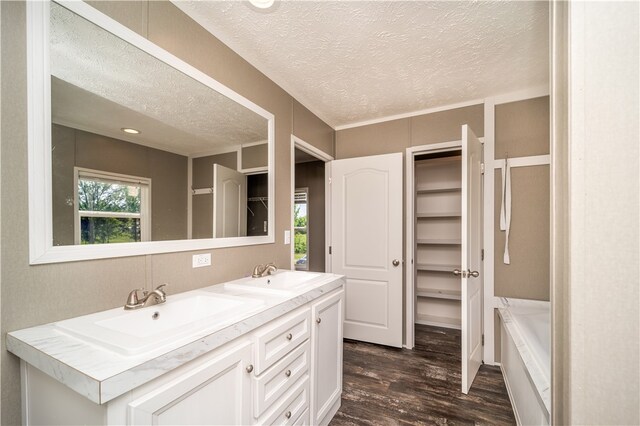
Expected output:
(61, 291)
(202, 168)
(308, 127)
(167, 171)
(255, 156)
(521, 130)
(311, 175)
(398, 135)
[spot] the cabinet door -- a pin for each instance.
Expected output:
(326, 348)
(217, 392)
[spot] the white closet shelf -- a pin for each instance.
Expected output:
(429, 189)
(438, 321)
(438, 215)
(436, 267)
(439, 294)
(444, 241)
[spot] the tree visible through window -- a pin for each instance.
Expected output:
(111, 208)
(301, 229)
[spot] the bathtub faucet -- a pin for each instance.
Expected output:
(263, 270)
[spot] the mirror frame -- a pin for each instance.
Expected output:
(41, 248)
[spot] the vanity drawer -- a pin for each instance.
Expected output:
(291, 407)
(275, 341)
(303, 420)
(271, 385)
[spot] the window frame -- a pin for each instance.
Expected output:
(145, 200)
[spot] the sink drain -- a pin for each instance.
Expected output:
(155, 315)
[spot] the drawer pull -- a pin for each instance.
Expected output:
(318, 320)
(289, 336)
(249, 368)
(288, 414)
(287, 373)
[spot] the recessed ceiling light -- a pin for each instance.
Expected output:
(129, 130)
(262, 4)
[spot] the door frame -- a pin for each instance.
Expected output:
(411, 153)
(306, 147)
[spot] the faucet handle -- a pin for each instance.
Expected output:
(258, 270)
(132, 299)
(161, 286)
(270, 268)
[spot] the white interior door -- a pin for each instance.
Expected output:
(229, 202)
(366, 245)
(471, 257)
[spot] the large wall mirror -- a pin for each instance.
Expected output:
(131, 150)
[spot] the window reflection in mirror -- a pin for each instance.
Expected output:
(101, 88)
(111, 208)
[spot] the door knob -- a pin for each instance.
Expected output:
(395, 262)
(474, 274)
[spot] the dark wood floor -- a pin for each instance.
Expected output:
(389, 386)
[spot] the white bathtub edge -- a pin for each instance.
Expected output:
(532, 369)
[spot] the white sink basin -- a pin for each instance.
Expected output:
(141, 330)
(282, 282)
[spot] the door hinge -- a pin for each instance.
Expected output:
(329, 249)
(482, 254)
(329, 181)
(482, 168)
(483, 340)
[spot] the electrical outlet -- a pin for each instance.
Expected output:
(287, 237)
(200, 260)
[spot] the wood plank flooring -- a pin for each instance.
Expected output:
(389, 386)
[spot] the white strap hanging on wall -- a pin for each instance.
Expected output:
(505, 209)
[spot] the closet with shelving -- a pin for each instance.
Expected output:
(437, 239)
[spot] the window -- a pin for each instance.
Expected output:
(111, 208)
(301, 229)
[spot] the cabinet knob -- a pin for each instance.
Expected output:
(289, 336)
(474, 274)
(288, 414)
(395, 262)
(287, 373)
(249, 368)
(318, 320)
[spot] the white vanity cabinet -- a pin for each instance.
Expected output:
(326, 357)
(216, 392)
(286, 371)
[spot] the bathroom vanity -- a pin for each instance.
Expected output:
(251, 351)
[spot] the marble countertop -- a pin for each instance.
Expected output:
(102, 375)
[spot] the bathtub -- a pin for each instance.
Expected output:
(525, 360)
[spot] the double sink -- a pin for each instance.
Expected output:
(184, 316)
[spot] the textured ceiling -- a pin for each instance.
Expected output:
(350, 61)
(100, 83)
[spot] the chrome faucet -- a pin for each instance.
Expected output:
(134, 303)
(263, 270)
